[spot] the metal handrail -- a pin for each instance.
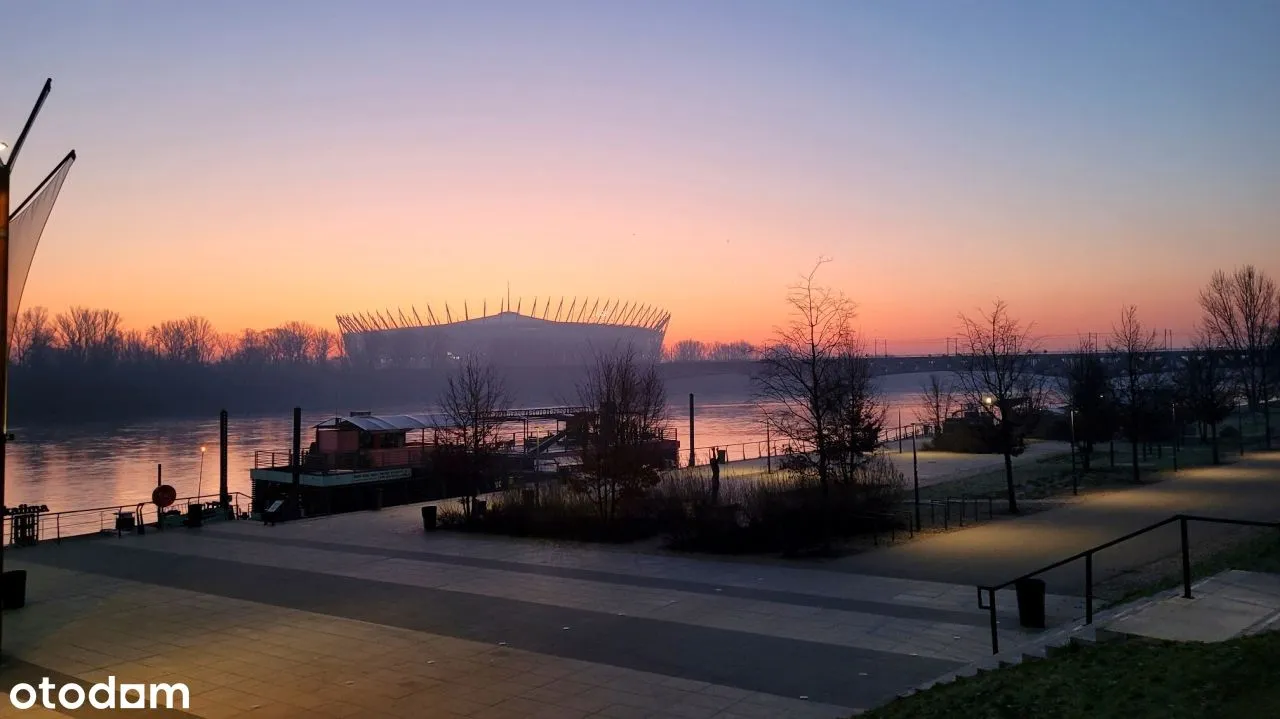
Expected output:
(79, 518)
(1087, 555)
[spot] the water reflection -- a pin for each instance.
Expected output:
(106, 465)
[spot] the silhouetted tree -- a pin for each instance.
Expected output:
(687, 351)
(89, 336)
(1205, 390)
(937, 399)
(187, 341)
(998, 377)
(33, 337)
(1090, 397)
(1138, 379)
(470, 406)
(859, 413)
(1240, 315)
(620, 461)
(801, 378)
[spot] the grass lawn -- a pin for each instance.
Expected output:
(1122, 680)
(1051, 476)
(1254, 550)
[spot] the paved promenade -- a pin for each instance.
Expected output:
(365, 614)
(999, 551)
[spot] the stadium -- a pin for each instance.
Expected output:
(557, 333)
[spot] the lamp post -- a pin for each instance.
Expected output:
(200, 480)
(1075, 488)
(1177, 435)
(915, 476)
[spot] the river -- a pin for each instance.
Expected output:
(100, 465)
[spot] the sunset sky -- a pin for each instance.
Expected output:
(256, 162)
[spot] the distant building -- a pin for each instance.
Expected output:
(561, 337)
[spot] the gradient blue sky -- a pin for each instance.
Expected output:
(257, 162)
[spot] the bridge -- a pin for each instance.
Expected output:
(1048, 363)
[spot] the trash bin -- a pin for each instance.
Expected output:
(429, 518)
(195, 515)
(478, 508)
(13, 592)
(1030, 602)
(124, 522)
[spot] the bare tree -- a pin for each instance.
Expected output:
(687, 351)
(1205, 390)
(1090, 397)
(32, 337)
(191, 340)
(620, 458)
(800, 383)
(936, 397)
(1135, 346)
(136, 348)
(1240, 313)
(471, 404)
(89, 336)
(998, 377)
(732, 351)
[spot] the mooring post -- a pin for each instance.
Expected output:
(768, 447)
(296, 464)
(693, 459)
(223, 495)
(159, 510)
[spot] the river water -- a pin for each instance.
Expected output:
(104, 465)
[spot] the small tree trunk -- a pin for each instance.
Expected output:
(1008, 477)
(1133, 445)
(1266, 411)
(1213, 431)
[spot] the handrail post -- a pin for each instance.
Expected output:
(1186, 558)
(1088, 588)
(995, 634)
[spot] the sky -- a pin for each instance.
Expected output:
(257, 162)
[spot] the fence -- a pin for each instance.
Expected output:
(1087, 555)
(96, 520)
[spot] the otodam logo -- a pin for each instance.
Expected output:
(103, 695)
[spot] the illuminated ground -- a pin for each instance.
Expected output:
(367, 615)
(363, 613)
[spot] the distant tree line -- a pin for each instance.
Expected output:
(83, 364)
(698, 351)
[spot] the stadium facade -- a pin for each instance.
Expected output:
(560, 332)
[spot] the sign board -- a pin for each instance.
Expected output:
(163, 496)
(377, 475)
(275, 506)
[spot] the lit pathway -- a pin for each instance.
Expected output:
(366, 613)
(999, 551)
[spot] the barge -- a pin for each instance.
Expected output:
(365, 461)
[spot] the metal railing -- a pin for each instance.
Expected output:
(1087, 555)
(101, 520)
(944, 507)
